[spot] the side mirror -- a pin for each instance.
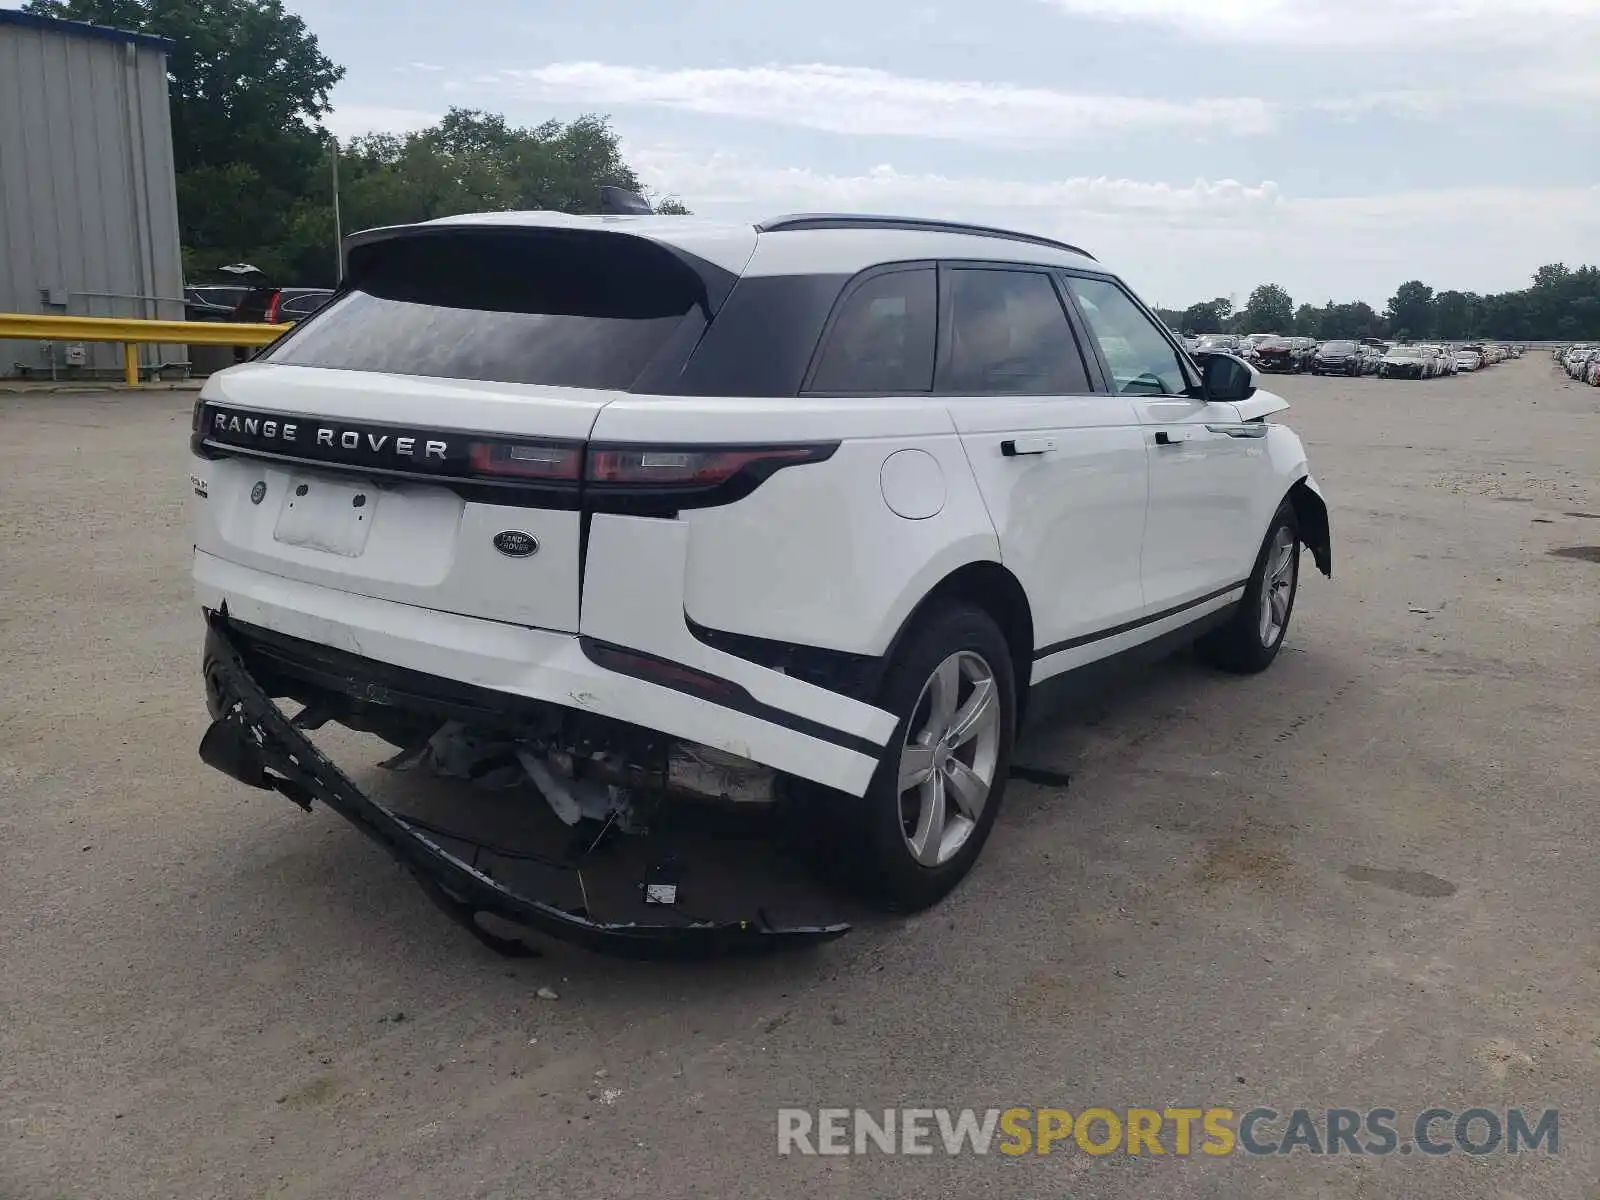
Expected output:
(1227, 378)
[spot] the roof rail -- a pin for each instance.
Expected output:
(795, 221)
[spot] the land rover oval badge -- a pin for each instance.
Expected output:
(513, 543)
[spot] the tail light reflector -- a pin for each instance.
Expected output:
(669, 466)
(660, 670)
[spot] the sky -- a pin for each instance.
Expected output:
(1198, 147)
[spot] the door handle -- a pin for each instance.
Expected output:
(1164, 438)
(1016, 447)
(1256, 430)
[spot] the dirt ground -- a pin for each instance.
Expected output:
(1366, 878)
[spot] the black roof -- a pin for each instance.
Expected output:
(10, 16)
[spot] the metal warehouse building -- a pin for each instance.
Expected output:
(88, 199)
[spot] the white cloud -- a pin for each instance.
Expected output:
(862, 101)
(1338, 24)
(727, 179)
(351, 120)
(1182, 242)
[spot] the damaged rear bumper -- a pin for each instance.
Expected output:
(253, 742)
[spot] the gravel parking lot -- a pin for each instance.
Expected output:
(1366, 878)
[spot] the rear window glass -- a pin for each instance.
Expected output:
(883, 338)
(1009, 335)
(567, 309)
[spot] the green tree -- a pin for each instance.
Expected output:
(249, 87)
(1207, 317)
(1269, 310)
(1454, 313)
(1410, 311)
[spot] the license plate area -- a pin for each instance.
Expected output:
(320, 514)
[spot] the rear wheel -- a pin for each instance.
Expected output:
(1253, 635)
(933, 801)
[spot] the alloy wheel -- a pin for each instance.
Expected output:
(947, 764)
(1277, 586)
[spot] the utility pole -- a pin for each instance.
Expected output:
(338, 231)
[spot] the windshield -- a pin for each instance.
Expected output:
(1406, 352)
(1339, 348)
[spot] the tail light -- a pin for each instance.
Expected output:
(271, 315)
(526, 460)
(693, 467)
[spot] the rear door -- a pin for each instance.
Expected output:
(423, 440)
(1060, 463)
(1205, 468)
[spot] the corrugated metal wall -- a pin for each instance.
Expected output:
(88, 201)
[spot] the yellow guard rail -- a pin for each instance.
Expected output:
(132, 333)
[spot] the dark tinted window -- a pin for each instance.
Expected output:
(1009, 335)
(253, 307)
(1142, 361)
(226, 297)
(882, 340)
(567, 309)
(303, 306)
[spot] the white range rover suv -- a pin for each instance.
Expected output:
(814, 502)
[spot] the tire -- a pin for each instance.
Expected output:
(1249, 642)
(959, 643)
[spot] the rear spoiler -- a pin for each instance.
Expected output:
(360, 249)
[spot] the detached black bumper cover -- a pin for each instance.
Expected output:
(256, 744)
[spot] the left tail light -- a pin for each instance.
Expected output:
(526, 460)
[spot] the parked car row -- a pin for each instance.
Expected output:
(1582, 362)
(1270, 352)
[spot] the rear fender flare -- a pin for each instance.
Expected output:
(990, 586)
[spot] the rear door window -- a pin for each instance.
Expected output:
(883, 337)
(1009, 335)
(585, 310)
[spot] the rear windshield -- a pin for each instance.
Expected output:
(566, 309)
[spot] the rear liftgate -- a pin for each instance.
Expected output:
(253, 742)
